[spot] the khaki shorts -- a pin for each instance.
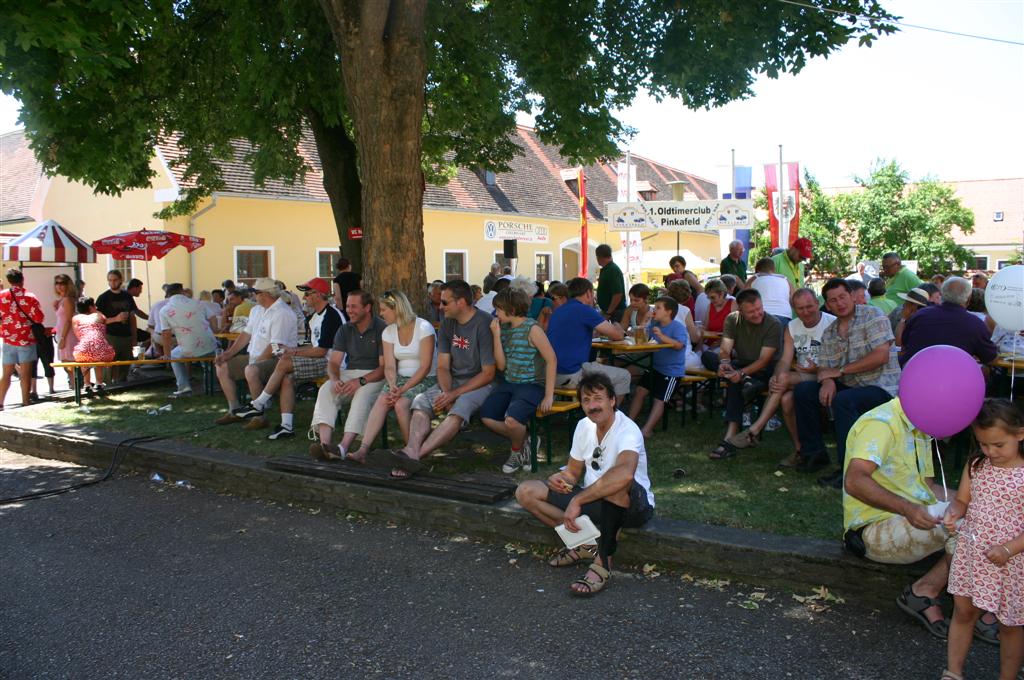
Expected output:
(897, 541)
(236, 367)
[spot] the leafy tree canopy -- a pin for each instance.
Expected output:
(916, 221)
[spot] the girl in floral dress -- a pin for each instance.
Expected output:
(90, 327)
(987, 572)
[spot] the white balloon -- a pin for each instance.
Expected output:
(1004, 297)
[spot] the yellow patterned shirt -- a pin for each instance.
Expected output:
(902, 453)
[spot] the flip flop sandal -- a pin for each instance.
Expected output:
(567, 557)
(914, 605)
(593, 587)
(399, 473)
(950, 675)
(744, 439)
(724, 450)
(987, 632)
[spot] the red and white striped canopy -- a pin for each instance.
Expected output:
(48, 242)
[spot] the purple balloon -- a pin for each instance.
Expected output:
(941, 390)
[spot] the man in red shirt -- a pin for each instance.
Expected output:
(19, 309)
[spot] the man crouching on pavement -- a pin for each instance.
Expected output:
(606, 479)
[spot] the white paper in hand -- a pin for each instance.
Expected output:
(588, 533)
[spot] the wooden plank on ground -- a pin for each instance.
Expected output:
(485, 490)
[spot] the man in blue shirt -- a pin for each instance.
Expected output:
(948, 324)
(571, 332)
(667, 365)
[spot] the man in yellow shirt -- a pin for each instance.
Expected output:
(889, 486)
(791, 262)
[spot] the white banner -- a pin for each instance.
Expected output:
(526, 232)
(631, 256)
(701, 216)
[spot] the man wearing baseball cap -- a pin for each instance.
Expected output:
(791, 262)
(300, 364)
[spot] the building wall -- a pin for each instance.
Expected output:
(93, 216)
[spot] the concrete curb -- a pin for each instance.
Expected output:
(746, 556)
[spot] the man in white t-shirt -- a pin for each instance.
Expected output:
(186, 319)
(269, 332)
(300, 364)
(801, 340)
(776, 290)
(606, 479)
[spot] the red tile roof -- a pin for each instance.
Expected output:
(20, 175)
(532, 187)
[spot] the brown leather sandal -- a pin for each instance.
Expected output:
(593, 586)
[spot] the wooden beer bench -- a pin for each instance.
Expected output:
(77, 366)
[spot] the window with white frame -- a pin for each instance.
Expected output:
(123, 266)
(325, 259)
(1000, 264)
(253, 262)
(542, 267)
(501, 261)
(997, 216)
(981, 262)
(455, 264)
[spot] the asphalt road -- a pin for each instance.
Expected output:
(133, 579)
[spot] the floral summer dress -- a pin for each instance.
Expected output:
(995, 515)
(92, 342)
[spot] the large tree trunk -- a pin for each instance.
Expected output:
(383, 64)
(339, 159)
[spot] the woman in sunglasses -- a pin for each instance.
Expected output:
(605, 479)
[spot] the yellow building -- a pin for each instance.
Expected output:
(287, 231)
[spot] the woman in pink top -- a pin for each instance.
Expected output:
(64, 305)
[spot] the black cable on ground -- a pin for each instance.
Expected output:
(115, 461)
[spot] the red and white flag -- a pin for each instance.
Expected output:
(783, 203)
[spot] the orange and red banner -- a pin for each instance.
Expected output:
(783, 203)
(584, 247)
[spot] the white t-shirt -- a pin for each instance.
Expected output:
(486, 303)
(154, 316)
(210, 308)
(700, 308)
(774, 290)
(408, 356)
(274, 324)
(624, 435)
(186, 318)
(807, 341)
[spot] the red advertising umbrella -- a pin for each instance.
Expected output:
(145, 244)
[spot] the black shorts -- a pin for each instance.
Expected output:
(638, 513)
(662, 386)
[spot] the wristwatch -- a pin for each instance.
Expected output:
(362, 381)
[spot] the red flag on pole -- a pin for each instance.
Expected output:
(783, 203)
(584, 246)
(771, 190)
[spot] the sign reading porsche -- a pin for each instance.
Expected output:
(709, 216)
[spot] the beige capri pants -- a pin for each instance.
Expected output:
(325, 412)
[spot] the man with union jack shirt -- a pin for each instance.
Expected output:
(465, 375)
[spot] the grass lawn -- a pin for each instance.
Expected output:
(746, 491)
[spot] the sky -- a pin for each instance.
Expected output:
(943, 106)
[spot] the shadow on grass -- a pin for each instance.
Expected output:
(746, 491)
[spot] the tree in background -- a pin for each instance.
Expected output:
(819, 221)
(916, 221)
(391, 90)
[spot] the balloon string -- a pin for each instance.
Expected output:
(1013, 362)
(942, 470)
